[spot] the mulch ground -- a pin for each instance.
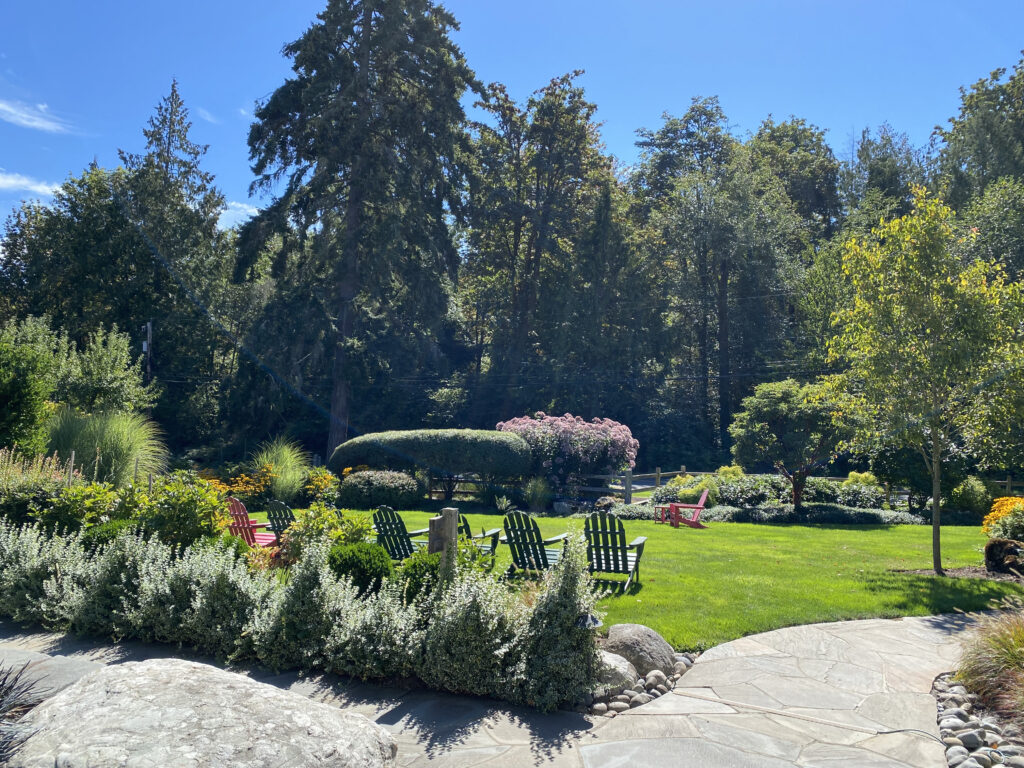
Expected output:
(971, 572)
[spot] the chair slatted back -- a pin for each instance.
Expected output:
(279, 517)
(243, 531)
(392, 533)
(237, 509)
(464, 529)
(606, 543)
(525, 541)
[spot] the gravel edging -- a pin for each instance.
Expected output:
(973, 736)
(646, 689)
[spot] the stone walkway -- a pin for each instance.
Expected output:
(815, 695)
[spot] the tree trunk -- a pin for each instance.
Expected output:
(724, 362)
(798, 491)
(936, 502)
(337, 432)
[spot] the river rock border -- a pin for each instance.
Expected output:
(654, 685)
(974, 737)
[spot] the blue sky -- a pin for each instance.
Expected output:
(79, 80)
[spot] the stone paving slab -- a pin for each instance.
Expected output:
(815, 696)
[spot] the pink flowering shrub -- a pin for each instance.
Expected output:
(566, 447)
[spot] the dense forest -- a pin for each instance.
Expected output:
(416, 268)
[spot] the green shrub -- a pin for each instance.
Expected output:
(184, 507)
(754, 490)
(293, 627)
(418, 574)
(861, 478)
(72, 508)
(25, 389)
(730, 472)
(860, 496)
(971, 496)
(320, 485)
(821, 490)
(366, 564)
(367, 490)
(290, 465)
(558, 648)
(537, 493)
(101, 535)
(442, 451)
(108, 445)
(814, 513)
(323, 523)
(26, 484)
(379, 638)
(225, 541)
(29, 560)
(469, 644)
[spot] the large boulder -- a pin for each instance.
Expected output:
(644, 648)
(616, 674)
(173, 713)
(1004, 556)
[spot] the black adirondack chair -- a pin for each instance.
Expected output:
(607, 550)
(530, 552)
(279, 518)
(485, 541)
(393, 535)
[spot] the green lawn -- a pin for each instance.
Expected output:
(703, 587)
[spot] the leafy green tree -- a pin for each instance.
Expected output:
(878, 180)
(997, 218)
(985, 141)
(103, 376)
(929, 341)
(369, 140)
(24, 391)
(796, 428)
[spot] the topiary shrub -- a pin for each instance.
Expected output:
(366, 564)
(366, 490)
(418, 574)
(444, 452)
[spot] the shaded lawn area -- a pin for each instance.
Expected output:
(704, 587)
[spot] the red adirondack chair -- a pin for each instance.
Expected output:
(240, 514)
(248, 534)
(676, 516)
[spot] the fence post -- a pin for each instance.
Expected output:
(682, 469)
(629, 486)
(151, 485)
(1009, 485)
(657, 477)
(71, 468)
(135, 477)
(443, 537)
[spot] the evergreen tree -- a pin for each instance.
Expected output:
(369, 140)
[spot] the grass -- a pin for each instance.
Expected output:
(704, 587)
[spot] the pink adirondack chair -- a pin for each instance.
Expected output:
(248, 534)
(676, 515)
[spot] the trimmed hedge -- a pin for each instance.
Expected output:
(442, 451)
(366, 490)
(366, 564)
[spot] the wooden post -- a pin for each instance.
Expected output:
(135, 477)
(629, 486)
(682, 469)
(71, 468)
(151, 484)
(657, 477)
(443, 537)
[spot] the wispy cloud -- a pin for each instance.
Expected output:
(243, 111)
(15, 182)
(236, 213)
(207, 115)
(35, 116)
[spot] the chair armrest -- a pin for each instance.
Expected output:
(637, 542)
(488, 534)
(557, 538)
(420, 532)
(503, 539)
